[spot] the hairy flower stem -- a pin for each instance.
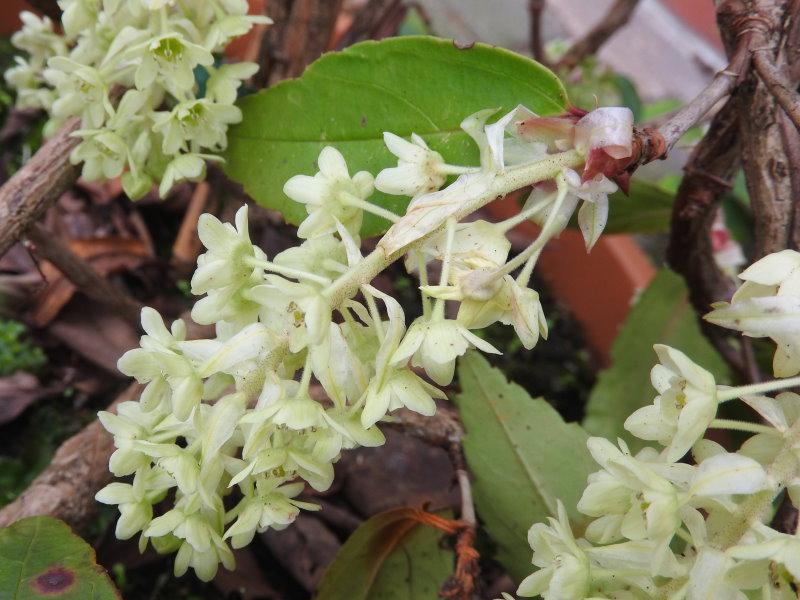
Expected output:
(757, 388)
(734, 425)
(504, 183)
(754, 508)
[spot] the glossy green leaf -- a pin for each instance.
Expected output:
(40, 557)
(392, 556)
(647, 209)
(662, 315)
(523, 456)
(348, 99)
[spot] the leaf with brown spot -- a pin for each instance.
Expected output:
(41, 558)
(392, 556)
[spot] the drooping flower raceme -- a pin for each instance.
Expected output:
(146, 53)
(686, 530)
(309, 357)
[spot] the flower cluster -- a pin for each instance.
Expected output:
(694, 530)
(309, 356)
(768, 305)
(146, 53)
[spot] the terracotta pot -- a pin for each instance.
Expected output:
(597, 287)
(9, 15)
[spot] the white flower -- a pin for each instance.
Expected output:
(564, 569)
(435, 343)
(506, 146)
(771, 546)
(171, 379)
(708, 579)
(297, 310)
(156, 4)
(224, 81)
(135, 500)
(781, 413)
(728, 473)
(636, 498)
(270, 506)
(206, 562)
(196, 122)
(476, 245)
(38, 38)
(326, 195)
(419, 170)
(184, 167)
(81, 91)
(684, 408)
(609, 129)
(768, 305)
(103, 153)
(394, 386)
(230, 27)
(512, 304)
(229, 256)
(593, 213)
(171, 59)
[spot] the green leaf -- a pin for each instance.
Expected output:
(662, 315)
(348, 99)
(648, 209)
(40, 557)
(523, 456)
(392, 556)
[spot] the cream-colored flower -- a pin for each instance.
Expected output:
(328, 196)
(419, 170)
(435, 343)
(684, 408)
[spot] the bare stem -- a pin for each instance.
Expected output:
(616, 18)
(80, 273)
(778, 85)
(535, 8)
(37, 185)
(720, 87)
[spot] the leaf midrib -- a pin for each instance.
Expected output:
(537, 484)
(375, 138)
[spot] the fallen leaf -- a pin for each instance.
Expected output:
(40, 557)
(95, 332)
(106, 255)
(18, 392)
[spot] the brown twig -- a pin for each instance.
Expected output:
(764, 148)
(47, 7)
(187, 245)
(778, 84)
(461, 585)
(301, 33)
(651, 144)
(535, 9)
(32, 189)
(66, 488)
(616, 18)
(444, 430)
(720, 87)
(376, 20)
(708, 177)
(81, 274)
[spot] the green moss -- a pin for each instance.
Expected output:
(17, 352)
